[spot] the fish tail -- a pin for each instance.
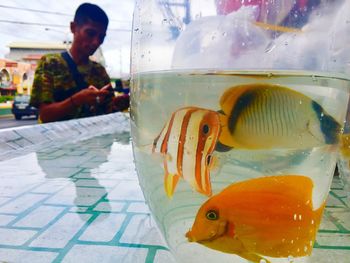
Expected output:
(329, 126)
(318, 214)
(170, 182)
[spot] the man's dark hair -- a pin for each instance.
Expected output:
(90, 12)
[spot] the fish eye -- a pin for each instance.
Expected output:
(212, 215)
(205, 128)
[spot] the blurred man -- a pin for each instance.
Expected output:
(69, 85)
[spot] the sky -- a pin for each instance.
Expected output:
(48, 21)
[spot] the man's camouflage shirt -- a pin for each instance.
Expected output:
(53, 77)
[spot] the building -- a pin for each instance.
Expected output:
(15, 77)
(31, 52)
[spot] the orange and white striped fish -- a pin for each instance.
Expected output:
(187, 142)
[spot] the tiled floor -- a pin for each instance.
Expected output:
(82, 203)
(76, 203)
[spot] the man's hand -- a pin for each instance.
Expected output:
(106, 91)
(86, 96)
(92, 95)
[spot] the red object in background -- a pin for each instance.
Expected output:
(225, 7)
(302, 3)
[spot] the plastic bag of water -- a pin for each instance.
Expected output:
(205, 40)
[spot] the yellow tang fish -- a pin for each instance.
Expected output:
(268, 216)
(187, 142)
(265, 116)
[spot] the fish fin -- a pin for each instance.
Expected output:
(252, 257)
(214, 162)
(206, 191)
(170, 182)
(155, 142)
(318, 213)
(329, 126)
(219, 147)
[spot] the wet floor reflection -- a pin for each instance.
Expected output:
(76, 202)
(81, 164)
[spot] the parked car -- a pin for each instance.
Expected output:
(21, 107)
